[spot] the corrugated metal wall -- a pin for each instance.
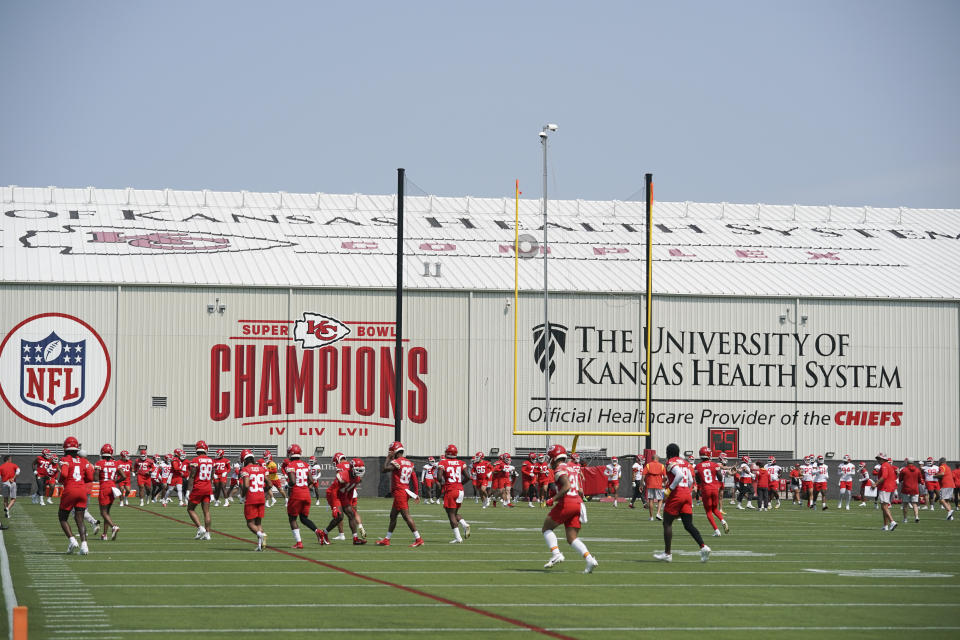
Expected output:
(460, 345)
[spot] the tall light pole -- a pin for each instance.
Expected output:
(546, 316)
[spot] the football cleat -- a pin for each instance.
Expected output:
(84, 550)
(704, 553)
(417, 543)
(199, 535)
(554, 560)
(361, 532)
(455, 541)
(206, 536)
(359, 541)
(893, 525)
(339, 537)
(466, 532)
(114, 531)
(716, 533)
(591, 564)
(726, 527)
(72, 547)
(298, 545)
(383, 542)
(663, 557)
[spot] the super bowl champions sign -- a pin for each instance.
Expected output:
(315, 374)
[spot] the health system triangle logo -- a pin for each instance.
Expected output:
(546, 344)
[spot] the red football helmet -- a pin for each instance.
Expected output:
(478, 455)
(124, 454)
(357, 470)
(505, 457)
(337, 457)
(846, 457)
(294, 451)
(746, 459)
(723, 456)
(613, 460)
(313, 459)
(168, 457)
(266, 454)
(201, 446)
(180, 453)
(863, 465)
(106, 450)
(557, 452)
(71, 444)
(575, 457)
(246, 453)
(532, 456)
(220, 453)
(451, 451)
(396, 448)
(431, 459)
(46, 454)
(819, 458)
(771, 459)
(705, 453)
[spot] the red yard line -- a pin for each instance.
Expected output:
(372, 424)
(354, 574)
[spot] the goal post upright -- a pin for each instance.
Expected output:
(648, 180)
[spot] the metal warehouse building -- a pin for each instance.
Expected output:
(160, 317)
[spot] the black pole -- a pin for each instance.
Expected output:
(648, 183)
(398, 349)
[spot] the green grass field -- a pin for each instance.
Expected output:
(784, 573)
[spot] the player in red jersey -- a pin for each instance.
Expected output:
(679, 504)
(221, 468)
(298, 502)
(428, 479)
(402, 473)
(346, 482)
(528, 478)
(887, 481)
(710, 483)
(911, 478)
(108, 474)
(125, 465)
(568, 510)
(200, 489)
(176, 476)
(43, 470)
(253, 479)
(143, 466)
(75, 472)
(483, 470)
(450, 475)
(341, 470)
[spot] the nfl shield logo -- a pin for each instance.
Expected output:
(52, 373)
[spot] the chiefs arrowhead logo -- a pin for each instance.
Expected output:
(316, 330)
(126, 241)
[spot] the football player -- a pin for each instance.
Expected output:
(108, 474)
(125, 464)
(450, 477)
(143, 467)
(346, 483)
(484, 471)
(679, 504)
(567, 511)
(428, 476)
(75, 472)
(821, 477)
(845, 471)
(298, 505)
(221, 468)
(341, 472)
(708, 478)
(43, 470)
(402, 473)
(612, 472)
(253, 479)
(200, 489)
(529, 478)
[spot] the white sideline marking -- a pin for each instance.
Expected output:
(435, 605)
(730, 553)
(585, 585)
(191, 630)
(9, 595)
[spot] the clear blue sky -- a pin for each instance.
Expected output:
(819, 102)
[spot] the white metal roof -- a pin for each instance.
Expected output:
(128, 236)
